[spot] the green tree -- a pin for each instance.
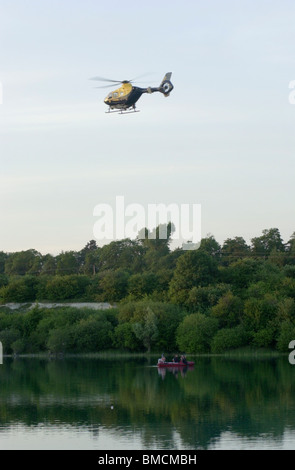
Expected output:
(23, 262)
(289, 271)
(67, 263)
(168, 317)
(269, 241)
(147, 329)
(194, 268)
(156, 246)
(264, 337)
(48, 265)
(287, 287)
(277, 257)
(19, 346)
(91, 263)
(258, 313)
(242, 273)
(157, 239)
(31, 320)
(195, 333)
(3, 280)
(126, 255)
(210, 246)
(111, 286)
(22, 289)
(234, 249)
(92, 334)
(140, 285)
(66, 287)
(229, 338)
(60, 340)
(3, 258)
(201, 299)
(124, 338)
(90, 246)
(286, 309)
(7, 338)
(228, 310)
(285, 335)
(290, 250)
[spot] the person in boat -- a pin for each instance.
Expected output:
(162, 359)
(176, 358)
(183, 359)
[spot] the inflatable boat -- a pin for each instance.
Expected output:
(175, 364)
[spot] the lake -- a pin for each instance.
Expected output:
(83, 403)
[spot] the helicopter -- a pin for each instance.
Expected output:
(124, 99)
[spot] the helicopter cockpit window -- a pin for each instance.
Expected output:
(110, 95)
(115, 95)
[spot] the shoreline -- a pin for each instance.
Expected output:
(111, 355)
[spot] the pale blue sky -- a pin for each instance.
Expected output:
(223, 139)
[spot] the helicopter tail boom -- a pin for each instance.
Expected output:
(165, 86)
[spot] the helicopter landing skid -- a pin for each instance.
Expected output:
(129, 112)
(121, 111)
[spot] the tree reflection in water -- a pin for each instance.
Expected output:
(164, 408)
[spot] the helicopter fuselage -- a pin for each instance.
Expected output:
(127, 95)
(124, 97)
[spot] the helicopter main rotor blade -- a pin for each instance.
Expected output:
(101, 79)
(107, 86)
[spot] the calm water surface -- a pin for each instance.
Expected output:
(127, 404)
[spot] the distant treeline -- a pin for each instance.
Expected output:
(212, 299)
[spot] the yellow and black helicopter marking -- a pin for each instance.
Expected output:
(124, 99)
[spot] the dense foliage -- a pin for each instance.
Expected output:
(211, 299)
